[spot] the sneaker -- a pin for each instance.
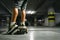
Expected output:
(13, 29)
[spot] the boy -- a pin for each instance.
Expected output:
(18, 4)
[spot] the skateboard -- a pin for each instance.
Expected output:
(23, 29)
(20, 30)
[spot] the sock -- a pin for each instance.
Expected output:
(23, 23)
(12, 23)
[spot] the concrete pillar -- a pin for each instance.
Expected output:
(35, 23)
(51, 17)
(7, 19)
(46, 22)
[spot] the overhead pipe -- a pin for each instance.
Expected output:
(5, 7)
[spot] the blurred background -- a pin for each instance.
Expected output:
(40, 13)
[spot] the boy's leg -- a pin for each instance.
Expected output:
(23, 17)
(15, 14)
(13, 25)
(23, 13)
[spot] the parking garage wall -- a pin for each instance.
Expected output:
(57, 19)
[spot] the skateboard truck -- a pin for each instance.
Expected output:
(23, 29)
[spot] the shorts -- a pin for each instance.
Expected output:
(21, 4)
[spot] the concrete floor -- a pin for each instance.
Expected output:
(35, 34)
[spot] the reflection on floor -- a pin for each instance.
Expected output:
(35, 34)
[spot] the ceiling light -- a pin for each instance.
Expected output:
(30, 12)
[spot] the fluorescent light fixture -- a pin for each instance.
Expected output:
(30, 12)
(39, 20)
